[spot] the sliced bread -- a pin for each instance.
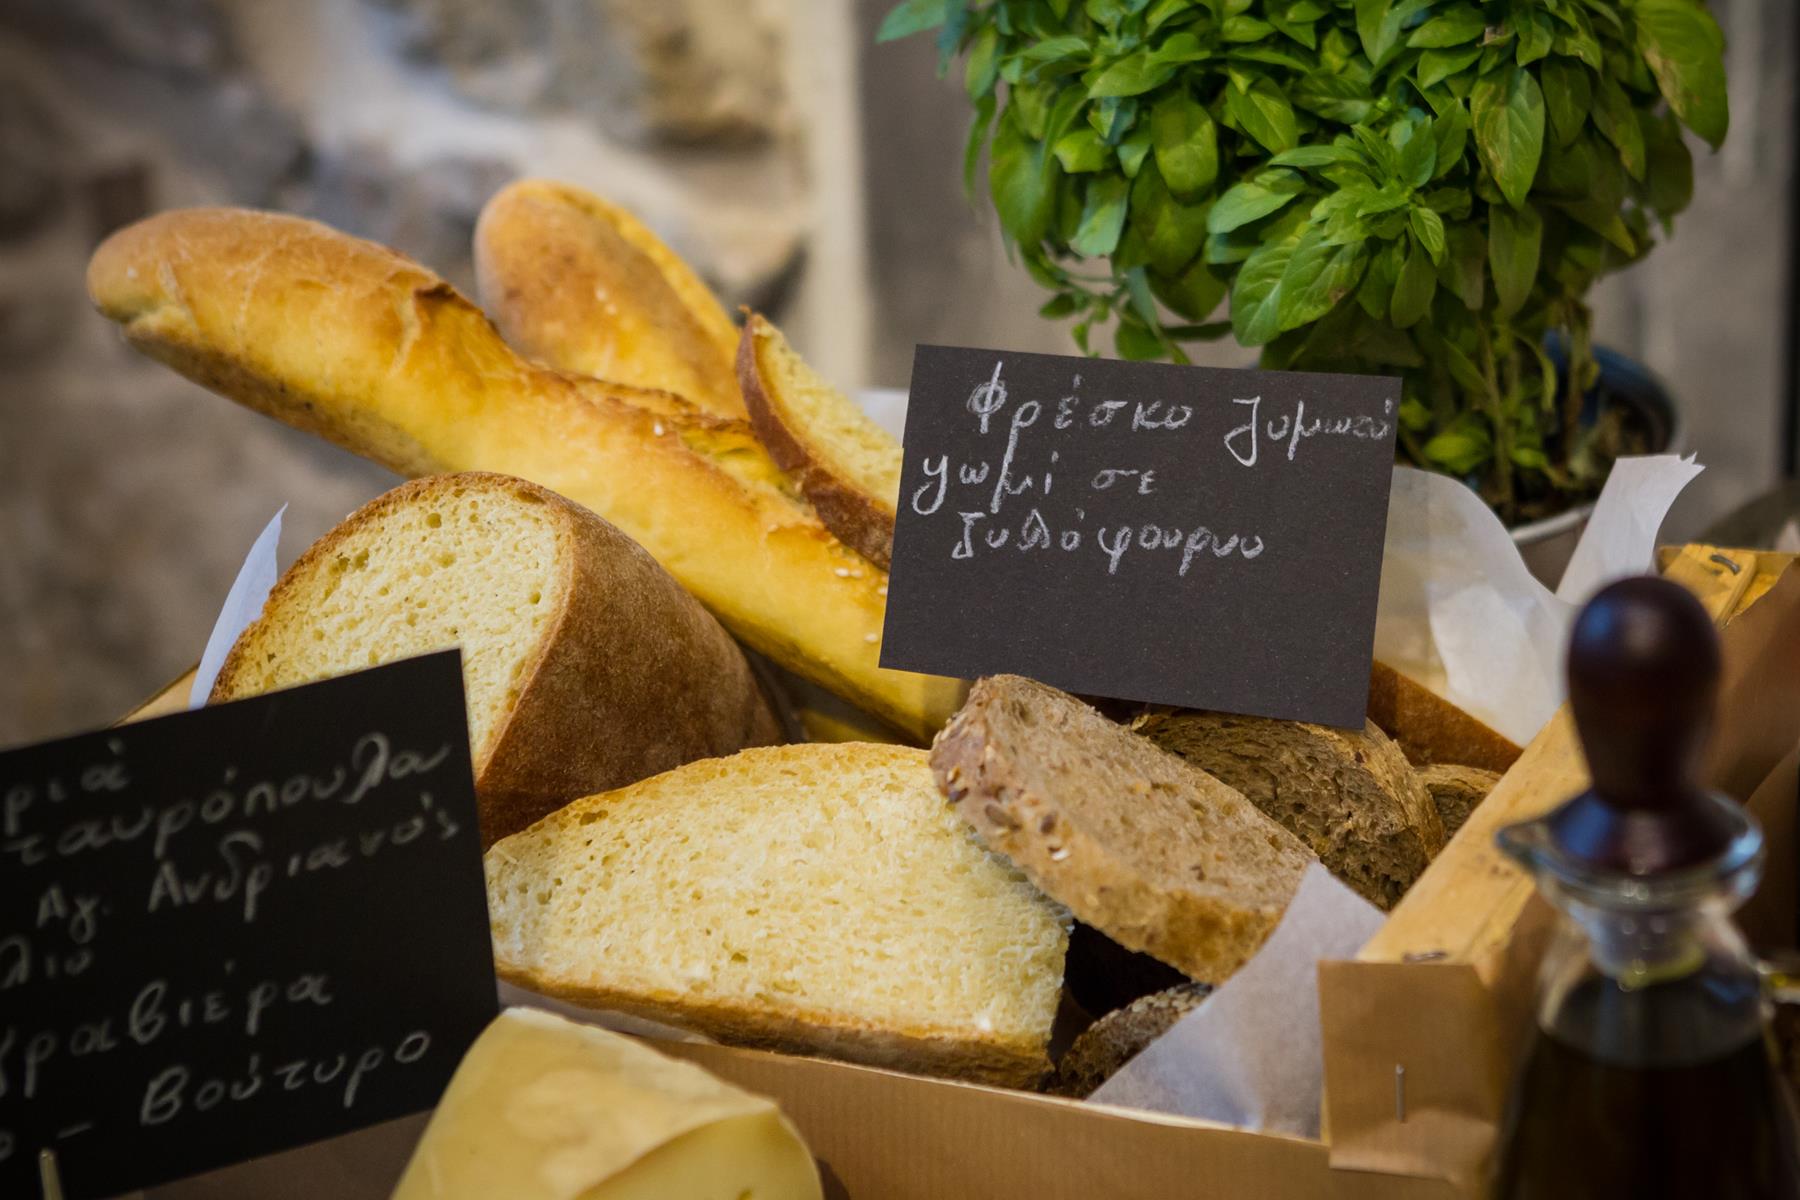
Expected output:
(1348, 794)
(847, 466)
(1430, 729)
(1115, 1039)
(585, 666)
(1152, 851)
(1456, 791)
(816, 899)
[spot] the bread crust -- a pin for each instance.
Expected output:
(919, 1049)
(1149, 890)
(362, 346)
(582, 285)
(1456, 791)
(863, 522)
(1430, 729)
(1349, 794)
(632, 678)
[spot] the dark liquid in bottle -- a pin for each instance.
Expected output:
(1720, 1128)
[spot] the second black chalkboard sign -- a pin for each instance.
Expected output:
(237, 930)
(1182, 535)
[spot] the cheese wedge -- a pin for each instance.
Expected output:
(543, 1108)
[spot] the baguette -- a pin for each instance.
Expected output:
(810, 899)
(585, 666)
(584, 286)
(1430, 729)
(1153, 852)
(848, 466)
(362, 346)
(1349, 795)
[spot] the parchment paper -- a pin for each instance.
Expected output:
(243, 604)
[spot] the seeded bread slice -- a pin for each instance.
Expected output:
(1121, 1036)
(1349, 795)
(1153, 852)
(1456, 791)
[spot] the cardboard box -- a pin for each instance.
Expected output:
(1412, 1106)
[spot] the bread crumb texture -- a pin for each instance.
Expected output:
(473, 565)
(831, 882)
(839, 431)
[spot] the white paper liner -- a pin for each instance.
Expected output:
(243, 604)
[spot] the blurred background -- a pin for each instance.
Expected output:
(800, 167)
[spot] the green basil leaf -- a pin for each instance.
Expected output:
(1137, 286)
(1334, 97)
(1568, 94)
(1536, 36)
(1306, 10)
(1316, 277)
(1452, 27)
(1452, 203)
(1186, 142)
(1603, 219)
(1302, 32)
(913, 16)
(1418, 156)
(1435, 66)
(1389, 197)
(1132, 151)
(1265, 114)
(1462, 451)
(1681, 42)
(1179, 49)
(1515, 242)
(1081, 150)
(978, 131)
(1617, 121)
(1245, 29)
(1022, 178)
(1132, 75)
(1508, 115)
(1172, 232)
(1464, 269)
(1256, 292)
(1378, 281)
(983, 66)
(1193, 294)
(1063, 305)
(1379, 22)
(1136, 343)
(1163, 10)
(1414, 289)
(1669, 185)
(1254, 198)
(1320, 156)
(1108, 13)
(1428, 227)
(1451, 133)
(1056, 49)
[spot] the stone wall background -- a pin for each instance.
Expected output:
(797, 164)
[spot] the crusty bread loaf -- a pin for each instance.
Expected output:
(1430, 729)
(809, 898)
(846, 464)
(1150, 850)
(1348, 794)
(1118, 1037)
(584, 286)
(1456, 791)
(584, 665)
(353, 342)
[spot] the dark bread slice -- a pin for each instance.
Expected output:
(1348, 794)
(1430, 729)
(1155, 853)
(1121, 1036)
(1456, 791)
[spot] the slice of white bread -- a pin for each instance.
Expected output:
(815, 899)
(1148, 849)
(1348, 794)
(585, 286)
(845, 464)
(544, 1108)
(585, 666)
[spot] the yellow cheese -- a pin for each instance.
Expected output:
(544, 1108)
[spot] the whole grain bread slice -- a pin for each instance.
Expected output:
(1150, 850)
(1348, 794)
(1120, 1036)
(1456, 791)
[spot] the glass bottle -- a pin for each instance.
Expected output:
(1649, 1073)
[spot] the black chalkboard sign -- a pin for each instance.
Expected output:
(1182, 535)
(237, 930)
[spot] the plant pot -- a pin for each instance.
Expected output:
(1546, 545)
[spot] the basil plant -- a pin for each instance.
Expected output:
(1425, 188)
